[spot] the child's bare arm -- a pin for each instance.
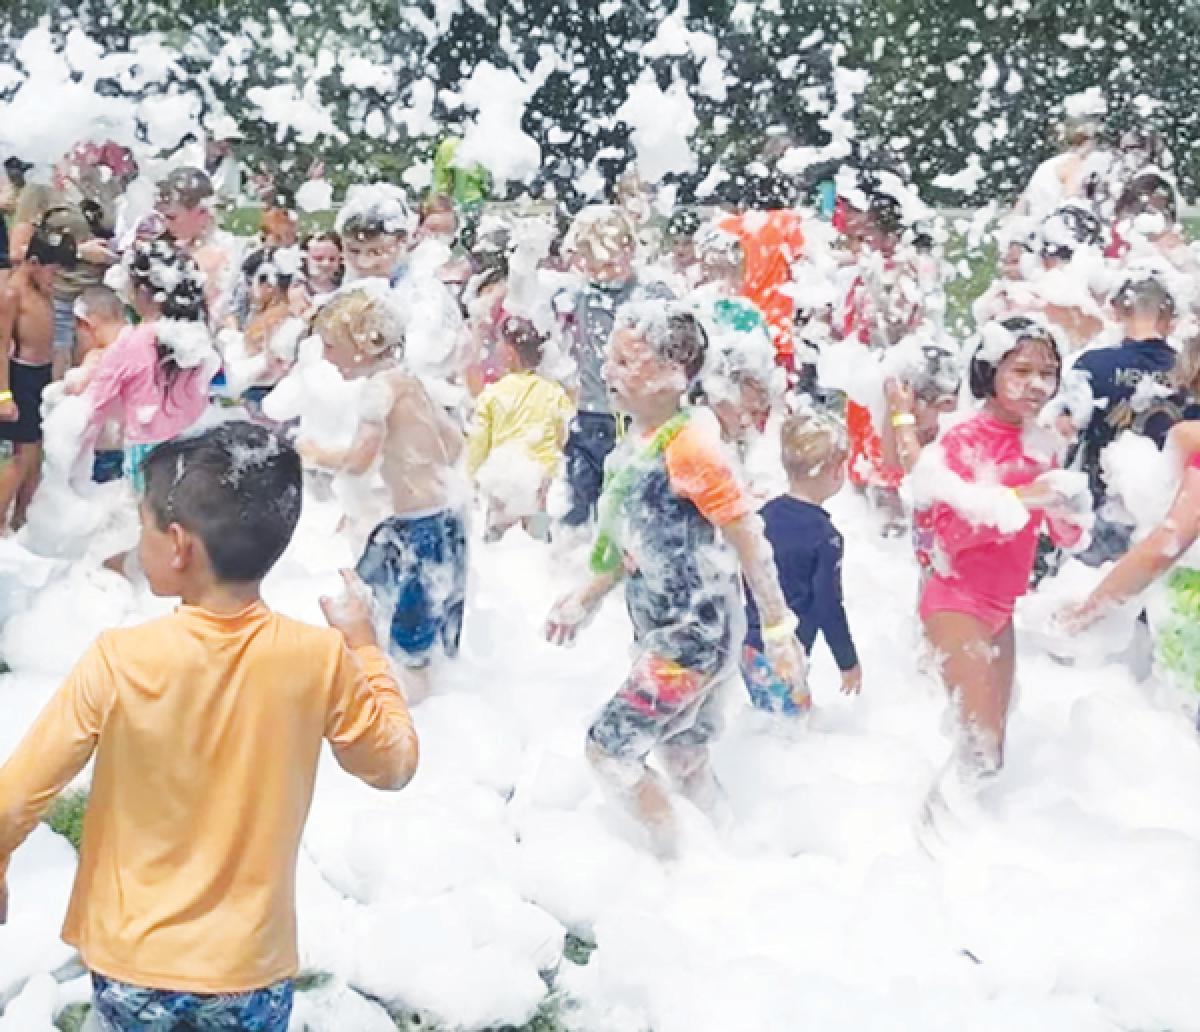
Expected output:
(357, 459)
(369, 726)
(53, 751)
(746, 536)
(576, 608)
(1148, 560)
(9, 307)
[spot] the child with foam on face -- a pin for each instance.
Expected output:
(987, 488)
(808, 555)
(415, 561)
(207, 726)
(675, 525)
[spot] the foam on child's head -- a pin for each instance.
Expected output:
(672, 331)
(237, 486)
(602, 232)
(370, 324)
(375, 209)
(811, 441)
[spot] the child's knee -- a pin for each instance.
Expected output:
(622, 773)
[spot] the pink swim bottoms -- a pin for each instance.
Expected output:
(946, 596)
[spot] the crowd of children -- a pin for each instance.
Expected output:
(600, 386)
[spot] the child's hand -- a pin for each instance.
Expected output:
(787, 659)
(350, 612)
(1075, 618)
(569, 614)
(852, 680)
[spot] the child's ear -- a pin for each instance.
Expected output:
(183, 546)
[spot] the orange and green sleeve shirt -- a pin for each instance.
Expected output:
(206, 730)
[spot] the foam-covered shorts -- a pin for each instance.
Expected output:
(941, 595)
(416, 568)
(660, 703)
(129, 1008)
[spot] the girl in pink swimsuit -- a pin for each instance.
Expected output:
(978, 571)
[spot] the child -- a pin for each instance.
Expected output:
(522, 412)
(808, 555)
(269, 311)
(1147, 312)
(415, 560)
(374, 225)
(990, 492)
(158, 374)
(207, 727)
(322, 274)
(604, 246)
(100, 320)
(26, 363)
(671, 512)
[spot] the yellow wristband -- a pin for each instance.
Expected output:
(777, 634)
(904, 419)
(5, 396)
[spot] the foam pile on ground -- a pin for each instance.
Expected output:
(1073, 902)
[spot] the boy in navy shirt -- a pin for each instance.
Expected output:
(1146, 309)
(808, 554)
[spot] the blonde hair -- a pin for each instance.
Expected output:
(811, 441)
(368, 324)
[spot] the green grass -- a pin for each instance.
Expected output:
(66, 816)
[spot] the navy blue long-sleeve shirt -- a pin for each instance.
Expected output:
(808, 555)
(1114, 375)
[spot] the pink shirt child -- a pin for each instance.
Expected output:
(975, 568)
(128, 376)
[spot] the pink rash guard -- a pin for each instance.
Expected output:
(976, 568)
(127, 377)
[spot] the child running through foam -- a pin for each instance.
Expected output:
(207, 726)
(525, 416)
(415, 560)
(989, 488)
(671, 514)
(808, 555)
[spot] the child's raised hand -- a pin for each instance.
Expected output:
(852, 680)
(350, 612)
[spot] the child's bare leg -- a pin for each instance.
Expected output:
(640, 791)
(692, 773)
(28, 459)
(969, 664)
(416, 684)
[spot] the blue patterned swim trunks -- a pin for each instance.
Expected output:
(130, 1008)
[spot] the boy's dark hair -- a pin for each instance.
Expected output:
(51, 244)
(981, 376)
(1144, 293)
(187, 186)
(685, 342)
(522, 336)
(1148, 192)
(237, 487)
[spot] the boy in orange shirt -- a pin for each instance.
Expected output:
(674, 525)
(207, 726)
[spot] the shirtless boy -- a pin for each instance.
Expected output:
(416, 560)
(27, 338)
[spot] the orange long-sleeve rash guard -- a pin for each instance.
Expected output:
(207, 730)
